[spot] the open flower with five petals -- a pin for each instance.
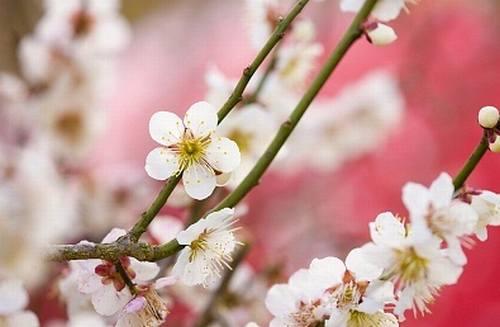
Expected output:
(191, 148)
(417, 268)
(208, 246)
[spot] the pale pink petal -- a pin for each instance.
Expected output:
(144, 271)
(161, 163)
(223, 154)
(199, 181)
(201, 119)
(166, 128)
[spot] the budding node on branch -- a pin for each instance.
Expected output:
(495, 146)
(380, 34)
(488, 117)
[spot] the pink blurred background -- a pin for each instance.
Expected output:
(447, 62)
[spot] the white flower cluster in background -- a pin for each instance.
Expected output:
(403, 268)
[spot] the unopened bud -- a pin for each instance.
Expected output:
(495, 146)
(488, 117)
(381, 34)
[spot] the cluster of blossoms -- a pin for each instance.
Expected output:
(403, 268)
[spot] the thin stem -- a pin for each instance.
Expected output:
(130, 284)
(141, 226)
(248, 72)
(471, 163)
(262, 82)
(252, 179)
(207, 316)
(147, 217)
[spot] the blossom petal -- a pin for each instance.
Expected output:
(144, 271)
(280, 300)
(223, 154)
(199, 181)
(327, 272)
(201, 119)
(387, 230)
(441, 191)
(166, 128)
(23, 319)
(190, 272)
(113, 235)
(357, 264)
(377, 295)
(13, 296)
(161, 163)
(107, 301)
(416, 199)
(164, 228)
(444, 272)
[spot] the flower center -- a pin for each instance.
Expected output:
(306, 316)
(82, 23)
(191, 150)
(410, 267)
(70, 126)
(361, 319)
(199, 244)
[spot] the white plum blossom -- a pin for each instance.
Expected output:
(103, 282)
(334, 293)
(36, 209)
(385, 10)
(418, 269)
(262, 17)
(252, 139)
(191, 148)
(13, 301)
(297, 58)
(487, 206)
(435, 213)
(303, 300)
(360, 299)
(347, 126)
(91, 25)
(208, 246)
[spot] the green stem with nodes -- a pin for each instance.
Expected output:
(147, 217)
(471, 163)
(269, 69)
(248, 72)
(208, 314)
(354, 32)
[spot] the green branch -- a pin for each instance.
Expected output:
(471, 163)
